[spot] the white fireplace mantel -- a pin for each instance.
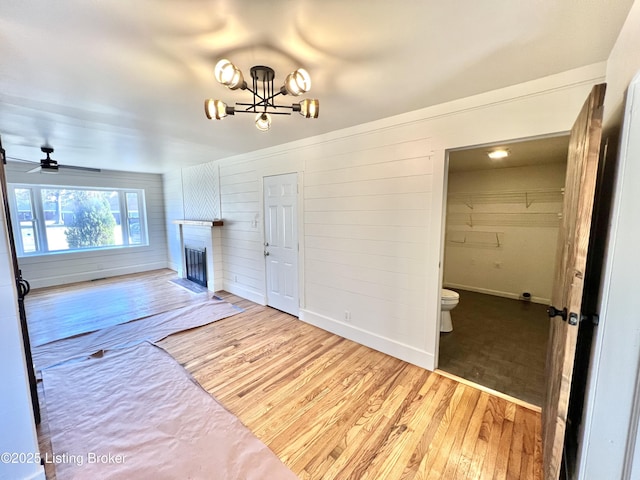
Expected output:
(200, 223)
(203, 234)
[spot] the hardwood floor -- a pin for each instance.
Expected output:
(333, 409)
(61, 312)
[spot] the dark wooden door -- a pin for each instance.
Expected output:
(573, 243)
(22, 287)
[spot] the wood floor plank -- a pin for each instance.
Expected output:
(328, 407)
(391, 408)
(438, 441)
(482, 441)
(506, 437)
(367, 389)
(493, 445)
(528, 446)
(437, 409)
(516, 447)
(458, 467)
(455, 434)
(395, 453)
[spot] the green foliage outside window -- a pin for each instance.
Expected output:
(93, 223)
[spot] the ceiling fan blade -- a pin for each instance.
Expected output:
(85, 169)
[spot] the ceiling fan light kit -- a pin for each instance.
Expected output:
(47, 165)
(264, 93)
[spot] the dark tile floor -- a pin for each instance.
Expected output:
(498, 343)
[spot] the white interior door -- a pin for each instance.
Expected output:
(281, 241)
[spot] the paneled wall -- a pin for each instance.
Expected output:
(243, 231)
(368, 207)
(502, 230)
(58, 269)
(371, 202)
(193, 193)
(173, 210)
(16, 421)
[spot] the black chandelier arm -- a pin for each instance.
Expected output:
(261, 104)
(271, 112)
(268, 100)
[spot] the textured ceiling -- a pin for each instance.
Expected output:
(119, 84)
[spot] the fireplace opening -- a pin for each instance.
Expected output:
(196, 263)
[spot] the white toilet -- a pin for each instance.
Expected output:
(448, 301)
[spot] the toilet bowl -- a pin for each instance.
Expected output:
(448, 301)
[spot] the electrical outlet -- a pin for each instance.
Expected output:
(347, 315)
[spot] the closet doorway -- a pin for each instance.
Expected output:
(502, 220)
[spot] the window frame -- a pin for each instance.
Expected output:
(39, 220)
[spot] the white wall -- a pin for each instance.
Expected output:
(610, 441)
(501, 237)
(17, 427)
(610, 418)
(58, 269)
(371, 207)
(193, 193)
(622, 65)
(243, 231)
(173, 210)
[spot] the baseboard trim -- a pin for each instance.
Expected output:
(255, 297)
(497, 293)
(382, 344)
(94, 275)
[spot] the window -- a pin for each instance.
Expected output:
(63, 219)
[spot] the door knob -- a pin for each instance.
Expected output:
(266, 254)
(554, 312)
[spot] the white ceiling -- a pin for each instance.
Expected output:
(120, 84)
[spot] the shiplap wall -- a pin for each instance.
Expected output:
(58, 269)
(371, 204)
(367, 218)
(173, 210)
(243, 231)
(193, 193)
(17, 420)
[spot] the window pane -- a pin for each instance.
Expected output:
(26, 218)
(81, 218)
(57, 215)
(67, 219)
(133, 217)
(28, 233)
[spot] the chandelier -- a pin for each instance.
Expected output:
(264, 93)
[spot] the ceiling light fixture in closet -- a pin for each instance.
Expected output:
(264, 93)
(498, 154)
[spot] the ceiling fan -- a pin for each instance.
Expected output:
(49, 165)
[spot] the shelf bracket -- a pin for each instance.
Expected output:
(526, 200)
